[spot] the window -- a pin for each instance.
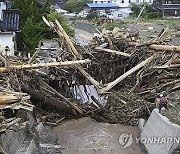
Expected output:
(95, 1)
(119, 15)
(101, 1)
(122, 1)
(129, 1)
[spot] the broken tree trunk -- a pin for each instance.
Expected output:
(68, 41)
(112, 51)
(8, 98)
(162, 34)
(177, 61)
(40, 65)
(165, 47)
(106, 36)
(125, 75)
(62, 97)
(41, 97)
(167, 66)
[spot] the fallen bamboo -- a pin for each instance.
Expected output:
(165, 47)
(62, 97)
(112, 51)
(40, 65)
(125, 75)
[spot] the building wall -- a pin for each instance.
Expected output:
(86, 9)
(171, 13)
(118, 15)
(6, 39)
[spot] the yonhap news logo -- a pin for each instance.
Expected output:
(126, 140)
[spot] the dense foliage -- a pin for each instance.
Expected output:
(92, 15)
(32, 27)
(53, 15)
(148, 13)
(75, 5)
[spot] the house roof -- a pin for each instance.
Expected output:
(10, 20)
(102, 5)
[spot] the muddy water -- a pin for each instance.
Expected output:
(86, 136)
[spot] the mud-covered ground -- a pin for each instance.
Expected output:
(86, 136)
(149, 30)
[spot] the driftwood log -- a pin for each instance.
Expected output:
(40, 65)
(165, 47)
(112, 51)
(62, 97)
(6, 98)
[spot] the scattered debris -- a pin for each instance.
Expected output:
(116, 79)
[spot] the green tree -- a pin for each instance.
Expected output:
(92, 15)
(53, 15)
(148, 13)
(32, 27)
(75, 5)
(135, 8)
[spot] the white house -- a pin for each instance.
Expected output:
(121, 13)
(104, 8)
(9, 25)
(123, 3)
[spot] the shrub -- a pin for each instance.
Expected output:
(91, 16)
(153, 15)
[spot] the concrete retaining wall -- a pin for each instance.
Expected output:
(161, 130)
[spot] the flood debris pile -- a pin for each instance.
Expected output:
(11, 104)
(116, 79)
